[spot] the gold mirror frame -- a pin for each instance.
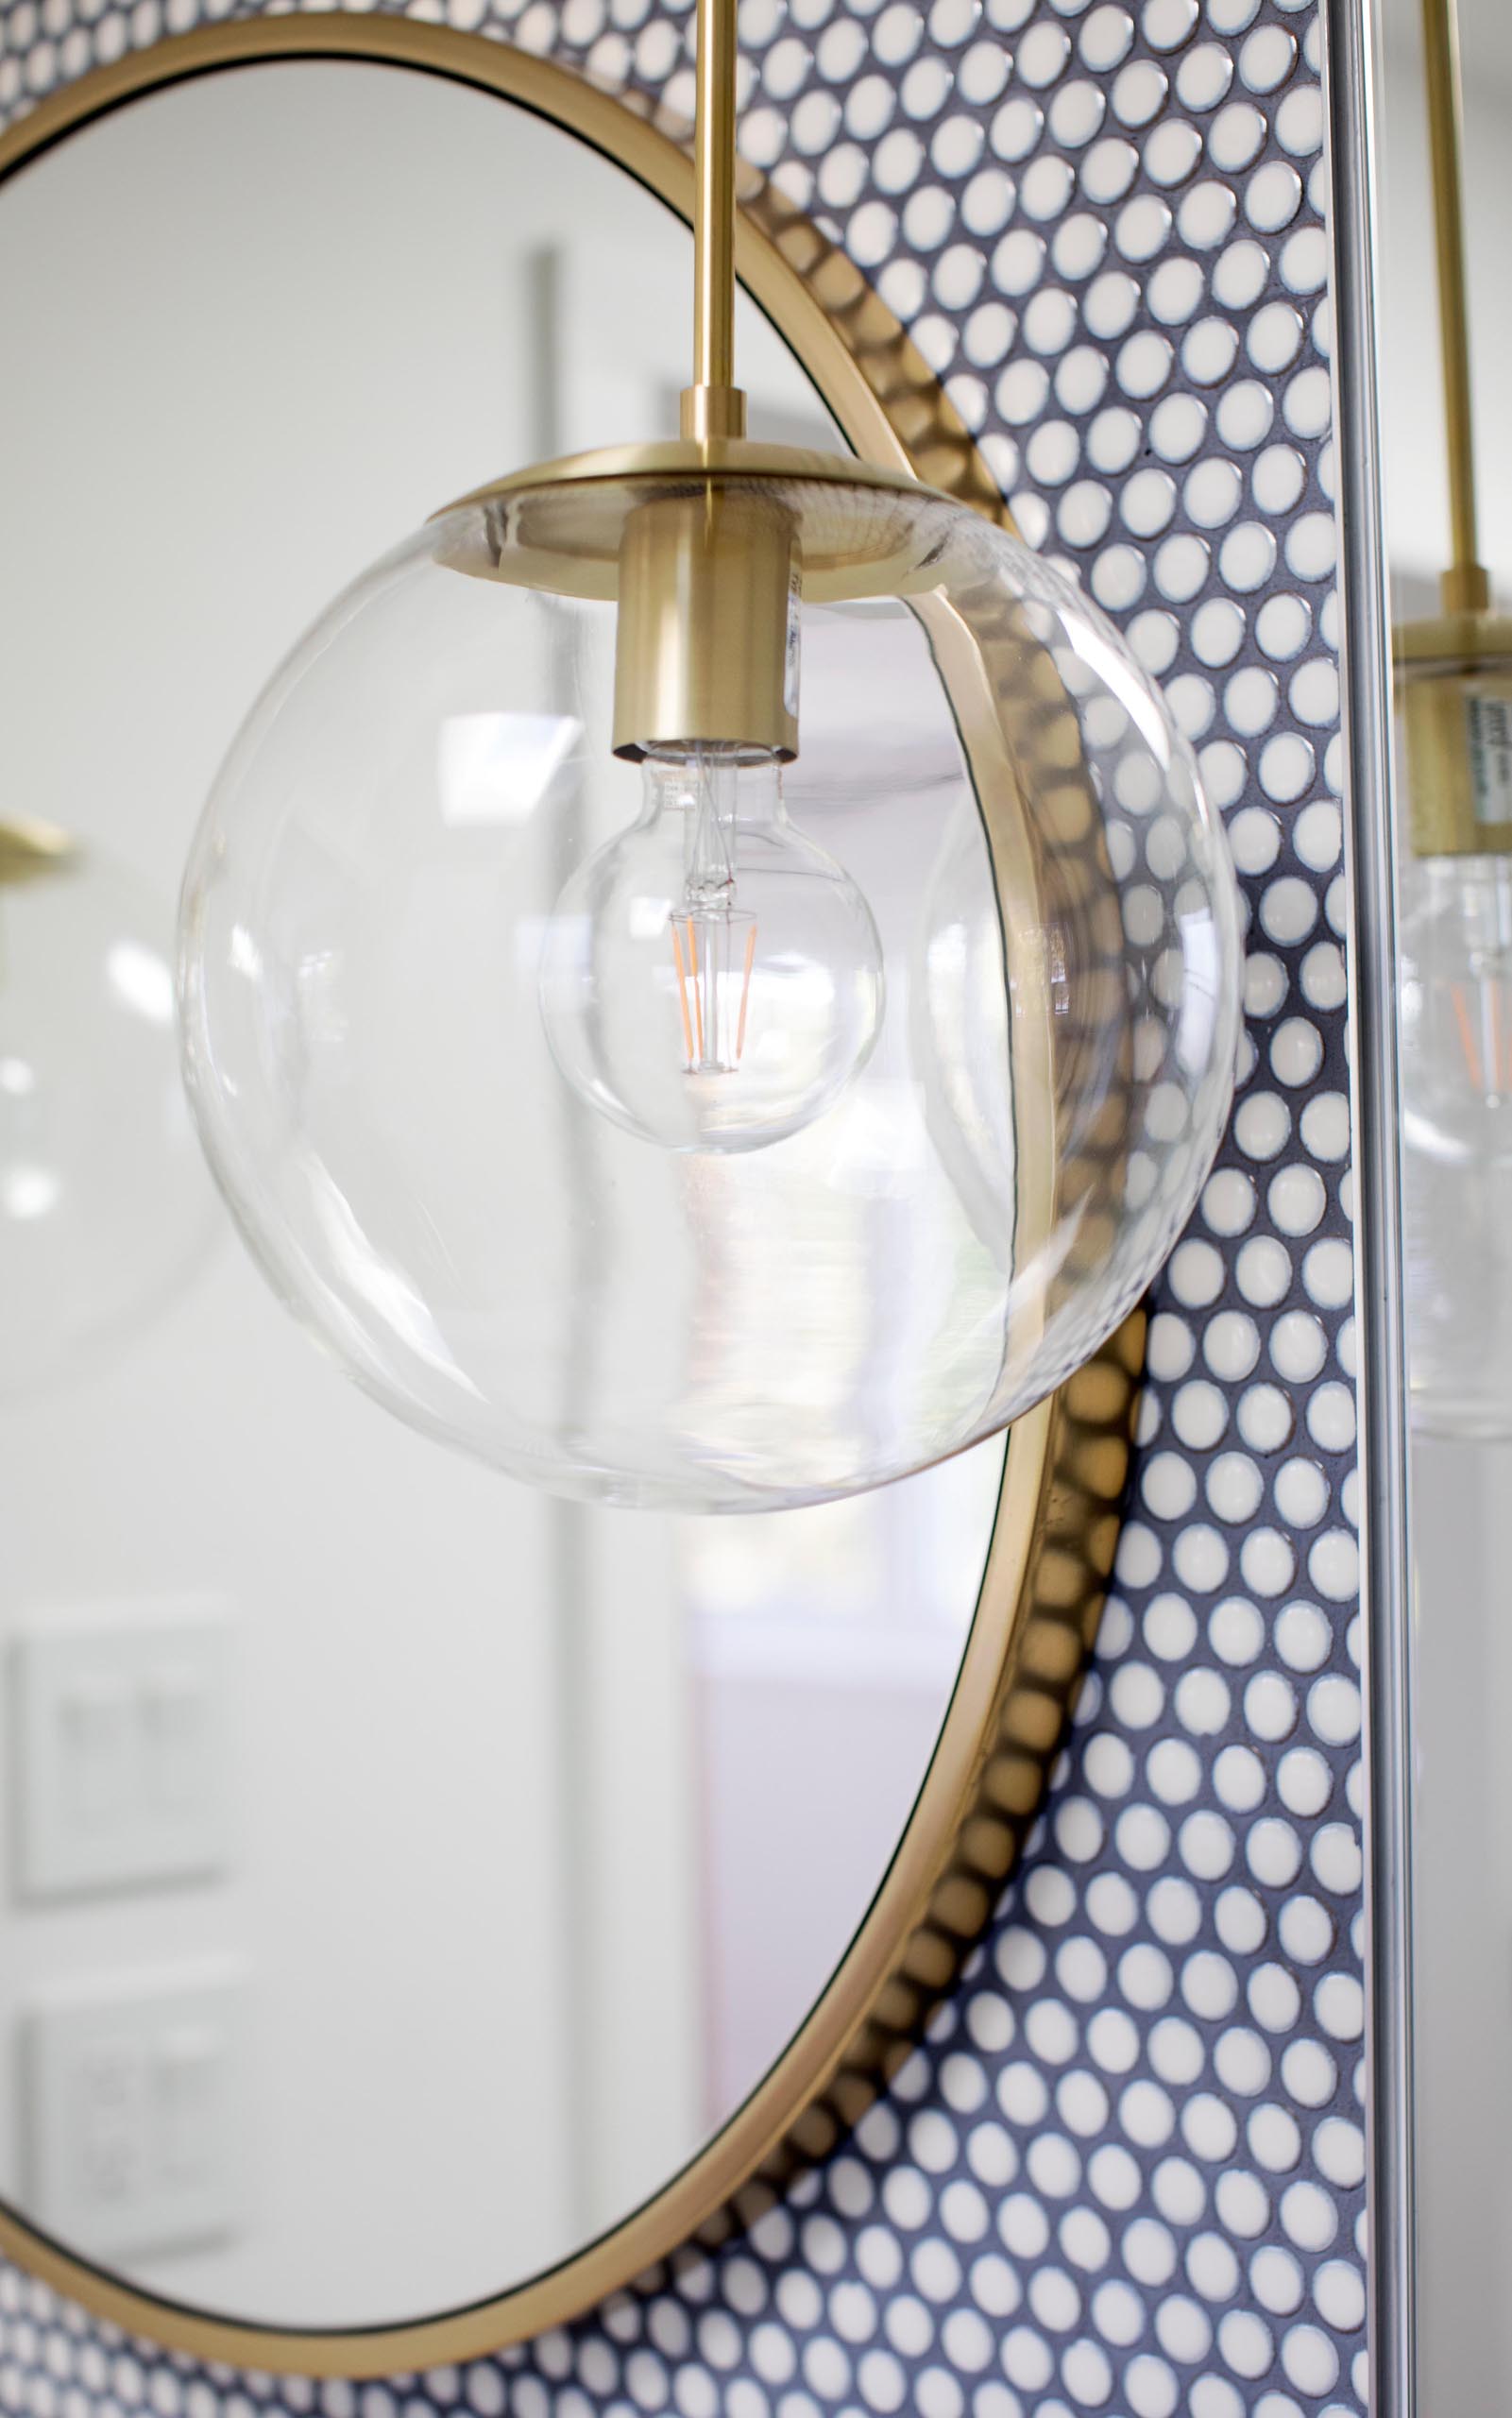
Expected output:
(1056, 1530)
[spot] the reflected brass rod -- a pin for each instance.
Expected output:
(1465, 586)
(713, 405)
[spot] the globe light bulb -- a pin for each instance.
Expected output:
(711, 979)
(470, 914)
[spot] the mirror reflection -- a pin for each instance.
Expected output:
(1452, 811)
(403, 1873)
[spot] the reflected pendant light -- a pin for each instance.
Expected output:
(105, 1210)
(708, 979)
(1454, 696)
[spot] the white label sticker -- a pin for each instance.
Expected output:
(1489, 752)
(790, 666)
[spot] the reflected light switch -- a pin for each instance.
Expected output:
(121, 1724)
(93, 1716)
(187, 2074)
(136, 2112)
(177, 1713)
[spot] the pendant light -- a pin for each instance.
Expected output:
(1454, 693)
(104, 1206)
(708, 979)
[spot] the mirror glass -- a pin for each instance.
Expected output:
(403, 1873)
(1452, 813)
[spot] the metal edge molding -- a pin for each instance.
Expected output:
(1057, 1527)
(1386, 1565)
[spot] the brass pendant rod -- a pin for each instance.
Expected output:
(1465, 586)
(713, 405)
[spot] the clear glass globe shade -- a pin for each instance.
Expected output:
(1455, 976)
(1010, 1118)
(711, 980)
(106, 1208)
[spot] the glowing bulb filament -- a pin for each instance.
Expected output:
(745, 993)
(1486, 1061)
(714, 967)
(682, 989)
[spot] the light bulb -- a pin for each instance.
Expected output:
(1456, 1127)
(711, 980)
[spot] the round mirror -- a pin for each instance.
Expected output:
(405, 1875)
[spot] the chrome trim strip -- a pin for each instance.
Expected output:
(1349, 27)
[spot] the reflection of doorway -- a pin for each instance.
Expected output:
(1460, 1493)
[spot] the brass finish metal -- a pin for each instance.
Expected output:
(674, 457)
(707, 639)
(713, 405)
(709, 412)
(714, 208)
(1459, 642)
(706, 649)
(30, 850)
(1465, 587)
(1454, 675)
(1454, 691)
(1058, 1519)
(1465, 584)
(561, 525)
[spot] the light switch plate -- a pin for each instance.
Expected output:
(136, 2119)
(122, 1730)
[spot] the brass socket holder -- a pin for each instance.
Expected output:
(1454, 681)
(707, 646)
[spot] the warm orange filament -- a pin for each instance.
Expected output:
(697, 1004)
(682, 989)
(745, 993)
(688, 973)
(1466, 1035)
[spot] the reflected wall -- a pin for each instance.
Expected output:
(1456, 1179)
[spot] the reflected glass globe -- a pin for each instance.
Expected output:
(896, 1158)
(105, 1205)
(1455, 976)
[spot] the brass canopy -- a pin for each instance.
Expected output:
(857, 530)
(706, 545)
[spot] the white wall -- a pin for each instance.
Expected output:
(233, 407)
